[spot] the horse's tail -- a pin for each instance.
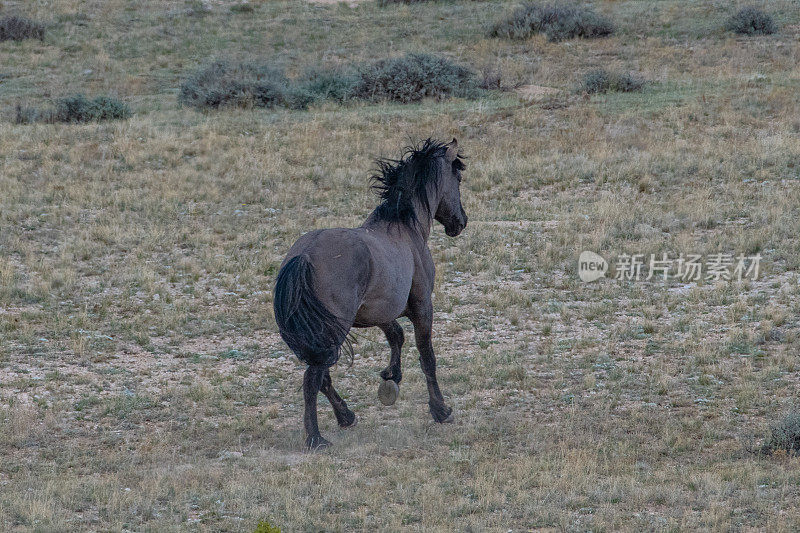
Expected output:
(313, 333)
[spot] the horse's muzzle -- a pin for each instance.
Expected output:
(456, 229)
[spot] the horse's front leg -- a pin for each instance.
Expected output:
(392, 374)
(422, 319)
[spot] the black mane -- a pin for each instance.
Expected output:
(399, 182)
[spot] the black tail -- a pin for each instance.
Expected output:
(313, 333)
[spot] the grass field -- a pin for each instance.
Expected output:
(143, 385)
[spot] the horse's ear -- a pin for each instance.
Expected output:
(452, 150)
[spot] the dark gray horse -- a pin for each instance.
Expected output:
(335, 279)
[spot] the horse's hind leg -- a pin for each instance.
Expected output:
(344, 416)
(392, 374)
(312, 381)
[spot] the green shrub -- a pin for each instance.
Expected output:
(327, 84)
(558, 22)
(751, 20)
(601, 81)
(223, 83)
(18, 28)
(412, 77)
(75, 108)
(265, 527)
(78, 108)
(784, 436)
(409, 78)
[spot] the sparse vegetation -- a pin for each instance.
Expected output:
(75, 108)
(751, 21)
(602, 81)
(784, 436)
(558, 22)
(144, 387)
(13, 28)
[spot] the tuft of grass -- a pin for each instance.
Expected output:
(558, 22)
(225, 83)
(265, 527)
(75, 108)
(412, 77)
(751, 20)
(27, 115)
(784, 436)
(491, 78)
(244, 7)
(13, 28)
(602, 81)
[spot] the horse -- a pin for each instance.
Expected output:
(334, 279)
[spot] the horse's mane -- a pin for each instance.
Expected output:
(401, 182)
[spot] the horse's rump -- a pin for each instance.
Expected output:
(309, 328)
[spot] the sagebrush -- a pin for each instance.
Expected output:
(236, 84)
(751, 20)
(602, 81)
(412, 77)
(13, 28)
(558, 22)
(75, 108)
(784, 436)
(318, 83)
(404, 79)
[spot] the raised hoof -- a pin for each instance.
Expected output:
(388, 392)
(348, 420)
(316, 443)
(442, 415)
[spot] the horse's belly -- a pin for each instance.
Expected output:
(386, 293)
(382, 309)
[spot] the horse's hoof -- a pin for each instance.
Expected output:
(388, 392)
(317, 443)
(348, 421)
(442, 415)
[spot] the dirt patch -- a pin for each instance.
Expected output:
(536, 92)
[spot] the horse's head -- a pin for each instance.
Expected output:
(450, 213)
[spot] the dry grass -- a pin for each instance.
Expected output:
(142, 382)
